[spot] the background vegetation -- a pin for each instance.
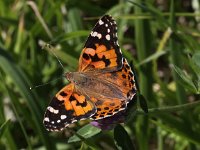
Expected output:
(160, 37)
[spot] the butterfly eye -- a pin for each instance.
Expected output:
(69, 76)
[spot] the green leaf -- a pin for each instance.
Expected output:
(178, 126)
(122, 139)
(71, 35)
(196, 60)
(3, 127)
(152, 57)
(86, 132)
(143, 103)
(185, 79)
(70, 60)
(8, 21)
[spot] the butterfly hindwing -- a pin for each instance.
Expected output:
(66, 107)
(124, 80)
(101, 50)
(108, 107)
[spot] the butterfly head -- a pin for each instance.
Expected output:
(71, 76)
(75, 77)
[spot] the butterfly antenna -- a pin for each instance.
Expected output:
(51, 49)
(40, 85)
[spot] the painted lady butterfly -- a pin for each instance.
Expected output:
(103, 85)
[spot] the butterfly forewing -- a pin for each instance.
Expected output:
(101, 50)
(67, 107)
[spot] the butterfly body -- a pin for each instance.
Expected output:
(103, 85)
(92, 86)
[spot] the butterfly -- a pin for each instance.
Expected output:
(103, 85)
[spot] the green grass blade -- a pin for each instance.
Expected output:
(143, 43)
(20, 80)
(185, 79)
(177, 126)
(122, 139)
(18, 118)
(4, 131)
(86, 132)
(3, 127)
(175, 51)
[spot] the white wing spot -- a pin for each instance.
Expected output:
(58, 121)
(108, 37)
(108, 30)
(63, 117)
(91, 33)
(56, 111)
(52, 110)
(106, 25)
(117, 43)
(46, 119)
(74, 121)
(101, 22)
(52, 122)
(99, 36)
(94, 34)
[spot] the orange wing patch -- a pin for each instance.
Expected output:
(82, 107)
(124, 79)
(67, 107)
(101, 48)
(98, 58)
(108, 107)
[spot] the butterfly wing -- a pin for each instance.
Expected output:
(107, 107)
(124, 80)
(66, 107)
(101, 50)
(102, 55)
